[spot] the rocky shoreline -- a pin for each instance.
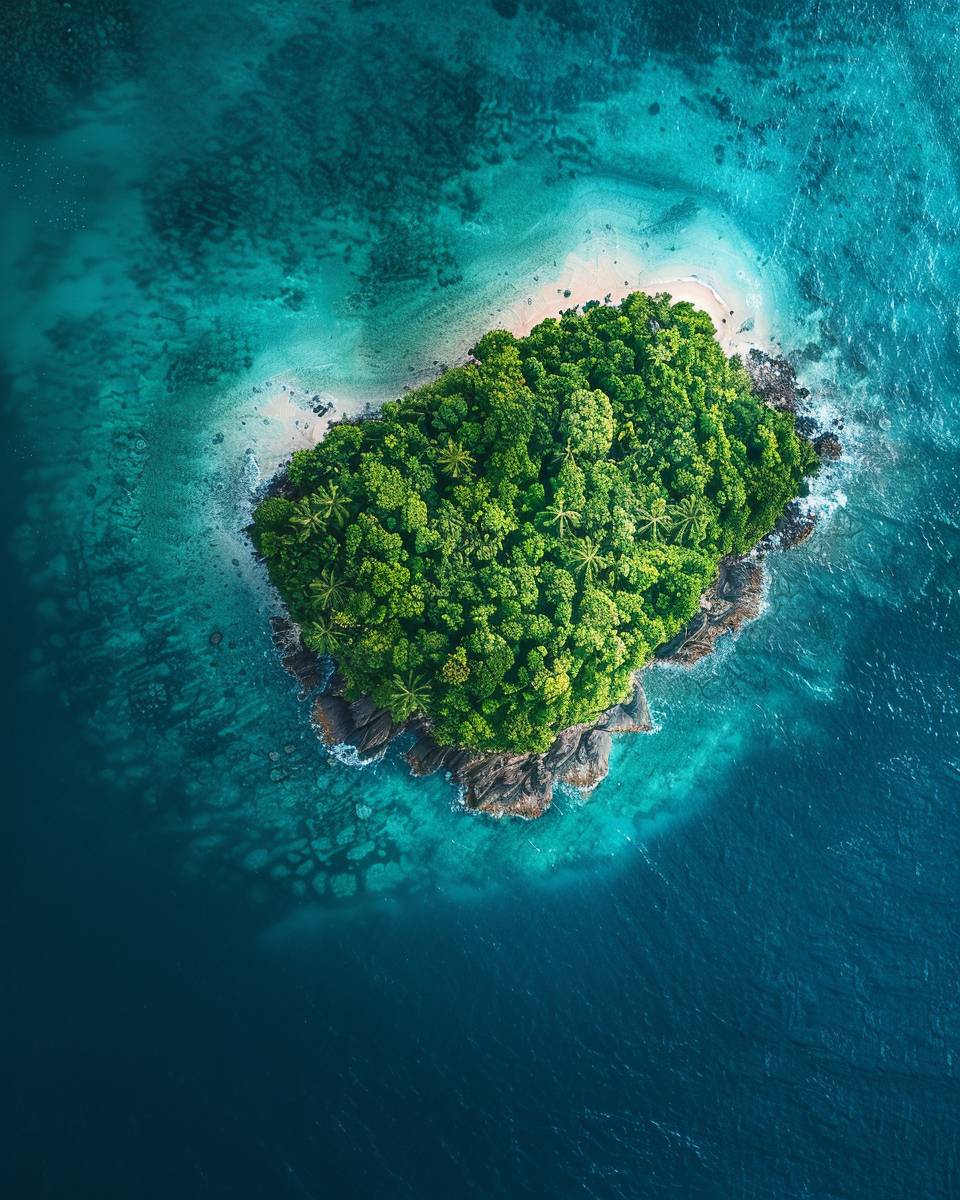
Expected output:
(521, 785)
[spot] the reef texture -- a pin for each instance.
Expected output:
(521, 785)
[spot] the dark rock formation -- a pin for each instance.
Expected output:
(297, 660)
(591, 760)
(828, 445)
(332, 720)
(793, 529)
(774, 381)
(497, 784)
(731, 600)
(630, 716)
(358, 723)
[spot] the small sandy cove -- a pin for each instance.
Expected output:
(735, 308)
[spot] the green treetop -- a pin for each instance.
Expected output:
(501, 549)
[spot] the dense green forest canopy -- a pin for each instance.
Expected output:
(501, 549)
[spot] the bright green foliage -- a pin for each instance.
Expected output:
(501, 549)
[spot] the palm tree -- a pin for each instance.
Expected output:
(588, 558)
(321, 636)
(654, 518)
(334, 506)
(455, 458)
(307, 518)
(565, 456)
(689, 517)
(407, 695)
(560, 515)
(328, 590)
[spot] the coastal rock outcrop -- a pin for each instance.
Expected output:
(631, 715)
(793, 529)
(590, 761)
(775, 381)
(496, 784)
(733, 598)
(828, 445)
(297, 660)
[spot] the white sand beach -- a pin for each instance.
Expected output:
(734, 306)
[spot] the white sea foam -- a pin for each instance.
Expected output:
(349, 756)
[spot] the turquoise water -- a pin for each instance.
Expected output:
(216, 216)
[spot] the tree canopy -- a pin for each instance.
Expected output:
(501, 549)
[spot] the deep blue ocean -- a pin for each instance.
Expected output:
(235, 965)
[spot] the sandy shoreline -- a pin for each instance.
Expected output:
(737, 312)
(289, 423)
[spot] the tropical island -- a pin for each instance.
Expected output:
(489, 561)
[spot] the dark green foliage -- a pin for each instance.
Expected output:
(501, 549)
(273, 513)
